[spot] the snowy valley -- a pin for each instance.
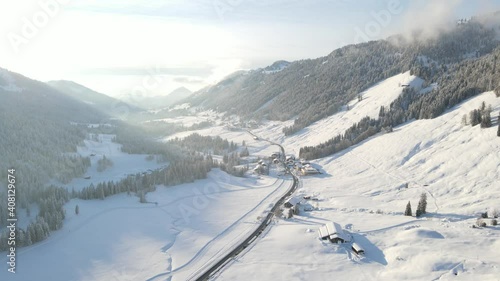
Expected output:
(364, 188)
(377, 161)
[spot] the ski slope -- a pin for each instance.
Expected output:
(457, 166)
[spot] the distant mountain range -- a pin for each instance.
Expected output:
(158, 102)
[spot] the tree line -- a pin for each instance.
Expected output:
(207, 144)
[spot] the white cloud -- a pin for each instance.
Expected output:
(431, 17)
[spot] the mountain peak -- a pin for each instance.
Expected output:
(276, 67)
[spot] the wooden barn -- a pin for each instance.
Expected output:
(333, 232)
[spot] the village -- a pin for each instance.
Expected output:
(331, 232)
(299, 166)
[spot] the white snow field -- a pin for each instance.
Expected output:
(124, 164)
(362, 188)
(121, 239)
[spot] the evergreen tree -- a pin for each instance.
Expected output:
(408, 209)
(464, 120)
(142, 197)
(77, 210)
(498, 131)
(475, 117)
(245, 152)
(422, 204)
(27, 238)
(486, 117)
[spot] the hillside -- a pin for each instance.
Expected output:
(309, 90)
(36, 130)
(102, 102)
(362, 188)
(382, 94)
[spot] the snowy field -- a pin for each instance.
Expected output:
(207, 115)
(363, 190)
(120, 239)
(123, 163)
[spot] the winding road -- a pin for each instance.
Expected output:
(216, 267)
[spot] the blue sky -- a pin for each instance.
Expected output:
(116, 47)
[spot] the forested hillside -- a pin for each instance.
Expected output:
(313, 89)
(38, 137)
(102, 102)
(36, 133)
(469, 78)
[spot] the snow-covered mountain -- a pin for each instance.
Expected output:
(308, 90)
(276, 67)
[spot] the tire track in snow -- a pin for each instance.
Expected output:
(209, 244)
(398, 178)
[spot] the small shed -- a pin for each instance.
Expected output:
(357, 249)
(323, 232)
(291, 202)
(308, 170)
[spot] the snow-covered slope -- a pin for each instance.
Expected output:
(363, 189)
(121, 239)
(379, 95)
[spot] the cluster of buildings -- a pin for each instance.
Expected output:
(301, 166)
